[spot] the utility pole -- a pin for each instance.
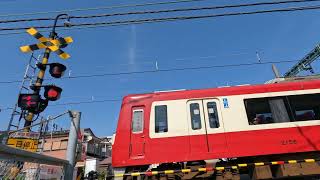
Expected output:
(37, 86)
(72, 143)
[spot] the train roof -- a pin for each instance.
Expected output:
(225, 91)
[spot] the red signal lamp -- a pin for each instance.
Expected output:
(52, 92)
(57, 70)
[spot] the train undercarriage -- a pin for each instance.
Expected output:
(284, 166)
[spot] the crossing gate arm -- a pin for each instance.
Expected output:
(11, 153)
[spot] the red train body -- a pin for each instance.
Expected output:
(228, 122)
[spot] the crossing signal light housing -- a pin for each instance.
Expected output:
(32, 103)
(52, 92)
(29, 101)
(57, 70)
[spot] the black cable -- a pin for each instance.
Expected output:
(72, 103)
(5, 108)
(144, 21)
(103, 8)
(86, 102)
(196, 9)
(179, 69)
(164, 11)
(166, 70)
(178, 18)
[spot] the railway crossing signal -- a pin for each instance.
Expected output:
(28, 101)
(51, 92)
(54, 45)
(32, 103)
(56, 69)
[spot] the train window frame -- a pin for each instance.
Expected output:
(157, 128)
(307, 99)
(267, 116)
(192, 115)
(141, 119)
(292, 109)
(216, 114)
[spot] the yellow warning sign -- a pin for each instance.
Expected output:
(54, 45)
(26, 144)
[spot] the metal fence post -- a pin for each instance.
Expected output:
(72, 144)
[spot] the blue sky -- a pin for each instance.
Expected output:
(192, 43)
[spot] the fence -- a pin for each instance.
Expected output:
(21, 164)
(25, 162)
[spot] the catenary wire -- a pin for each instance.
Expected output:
(72, 103)
(165, 70)
(163, 11)
(85, 102)
(102, 8)
(144, 21)
(166, 19)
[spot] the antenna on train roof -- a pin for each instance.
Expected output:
(275, 71)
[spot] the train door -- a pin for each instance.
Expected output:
(205, 126)
(197, 127)
(137, 138)
(215, 130)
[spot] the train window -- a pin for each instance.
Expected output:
(213, 115)
(195, 116)
(137, 121)
(267, 110)
(305, 107)
(283, 109)
(161, 119)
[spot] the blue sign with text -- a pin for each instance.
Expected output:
(225, 103)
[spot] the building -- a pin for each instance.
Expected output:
(91, 149)
(56, 144)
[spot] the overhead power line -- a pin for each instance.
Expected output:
(101, 8)
(72, 103)
(165, 11)
(165, 70)
(86, 102)
(179, 69)
(166, 19)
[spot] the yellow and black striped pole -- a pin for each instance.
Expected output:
(37, 87)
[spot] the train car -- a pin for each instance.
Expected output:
(248, 123)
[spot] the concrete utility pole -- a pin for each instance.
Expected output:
(72, 143)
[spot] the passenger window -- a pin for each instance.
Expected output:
(267, 110)
(283, 109)
(161, 119)
(137, 121)
(213, 115)
(195, 116)
(305, 107)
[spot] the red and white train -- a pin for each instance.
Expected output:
(242, 122)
